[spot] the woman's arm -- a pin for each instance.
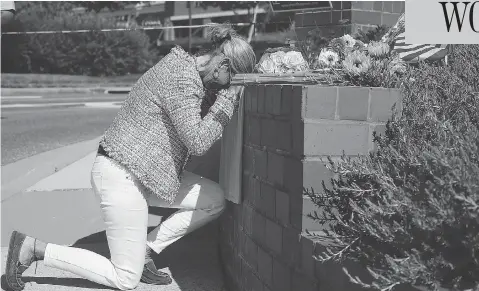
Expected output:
(184, 111)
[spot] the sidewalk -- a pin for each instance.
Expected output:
(60, 208)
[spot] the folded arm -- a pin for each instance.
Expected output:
(184, 110)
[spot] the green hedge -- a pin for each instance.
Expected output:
(92, 54)
(410, 211)
(88, 53)
(464, 61)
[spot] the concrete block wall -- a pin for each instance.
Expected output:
(338, 119)
(288, 132)
(347, 17)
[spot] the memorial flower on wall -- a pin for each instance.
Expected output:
(348, 40)
(378, 49)
(281, 62)
(338, 45)
(294, 60)
(356, 63)
(278, 58)
(327, 58)
(341, 60)
(267, 66)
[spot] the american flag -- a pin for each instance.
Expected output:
(413, 53)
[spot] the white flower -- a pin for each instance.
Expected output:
(357, 63)
(282, 63)
(278, 58)
(348, 40)
(378, 49)
(328, 58)
(267, 66)
(294, 60)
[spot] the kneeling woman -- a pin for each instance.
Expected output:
(141, 161)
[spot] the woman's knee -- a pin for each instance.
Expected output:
(127, 280)
(128, 266)
(211, 195)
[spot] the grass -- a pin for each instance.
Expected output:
(50, 81)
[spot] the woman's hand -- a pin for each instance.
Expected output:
(238, 90)
(233, 93)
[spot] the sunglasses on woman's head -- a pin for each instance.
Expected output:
(231, 72)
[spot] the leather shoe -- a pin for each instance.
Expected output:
(152, 276)
(15, 269)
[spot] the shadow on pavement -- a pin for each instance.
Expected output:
(53, 281)
(192, 261)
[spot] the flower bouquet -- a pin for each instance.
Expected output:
(372, 64)
(343, 60)
(285, 65)
(282, 61)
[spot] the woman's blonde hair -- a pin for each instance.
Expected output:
(227, 41)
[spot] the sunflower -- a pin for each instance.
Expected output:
(348, 40)
(378, 49)
(356, 63)
(328, 58)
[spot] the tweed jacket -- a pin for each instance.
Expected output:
(160, 125)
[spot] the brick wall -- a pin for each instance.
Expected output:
(347, 17)
(288, 130)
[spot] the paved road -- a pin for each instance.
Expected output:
(34, 124)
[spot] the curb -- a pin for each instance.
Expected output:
(23, 174)
(36, 91)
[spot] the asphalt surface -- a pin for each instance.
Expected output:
(73, 218)
(34, 124)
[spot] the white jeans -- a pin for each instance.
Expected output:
(124, 206)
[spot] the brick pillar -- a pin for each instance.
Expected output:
(268, 223)
(288, 131)
(338, 119)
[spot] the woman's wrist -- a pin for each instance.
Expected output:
(226, 101)
(227, 93)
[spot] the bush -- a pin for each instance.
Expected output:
(410, 210)
(87, 53)
(464, 61)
